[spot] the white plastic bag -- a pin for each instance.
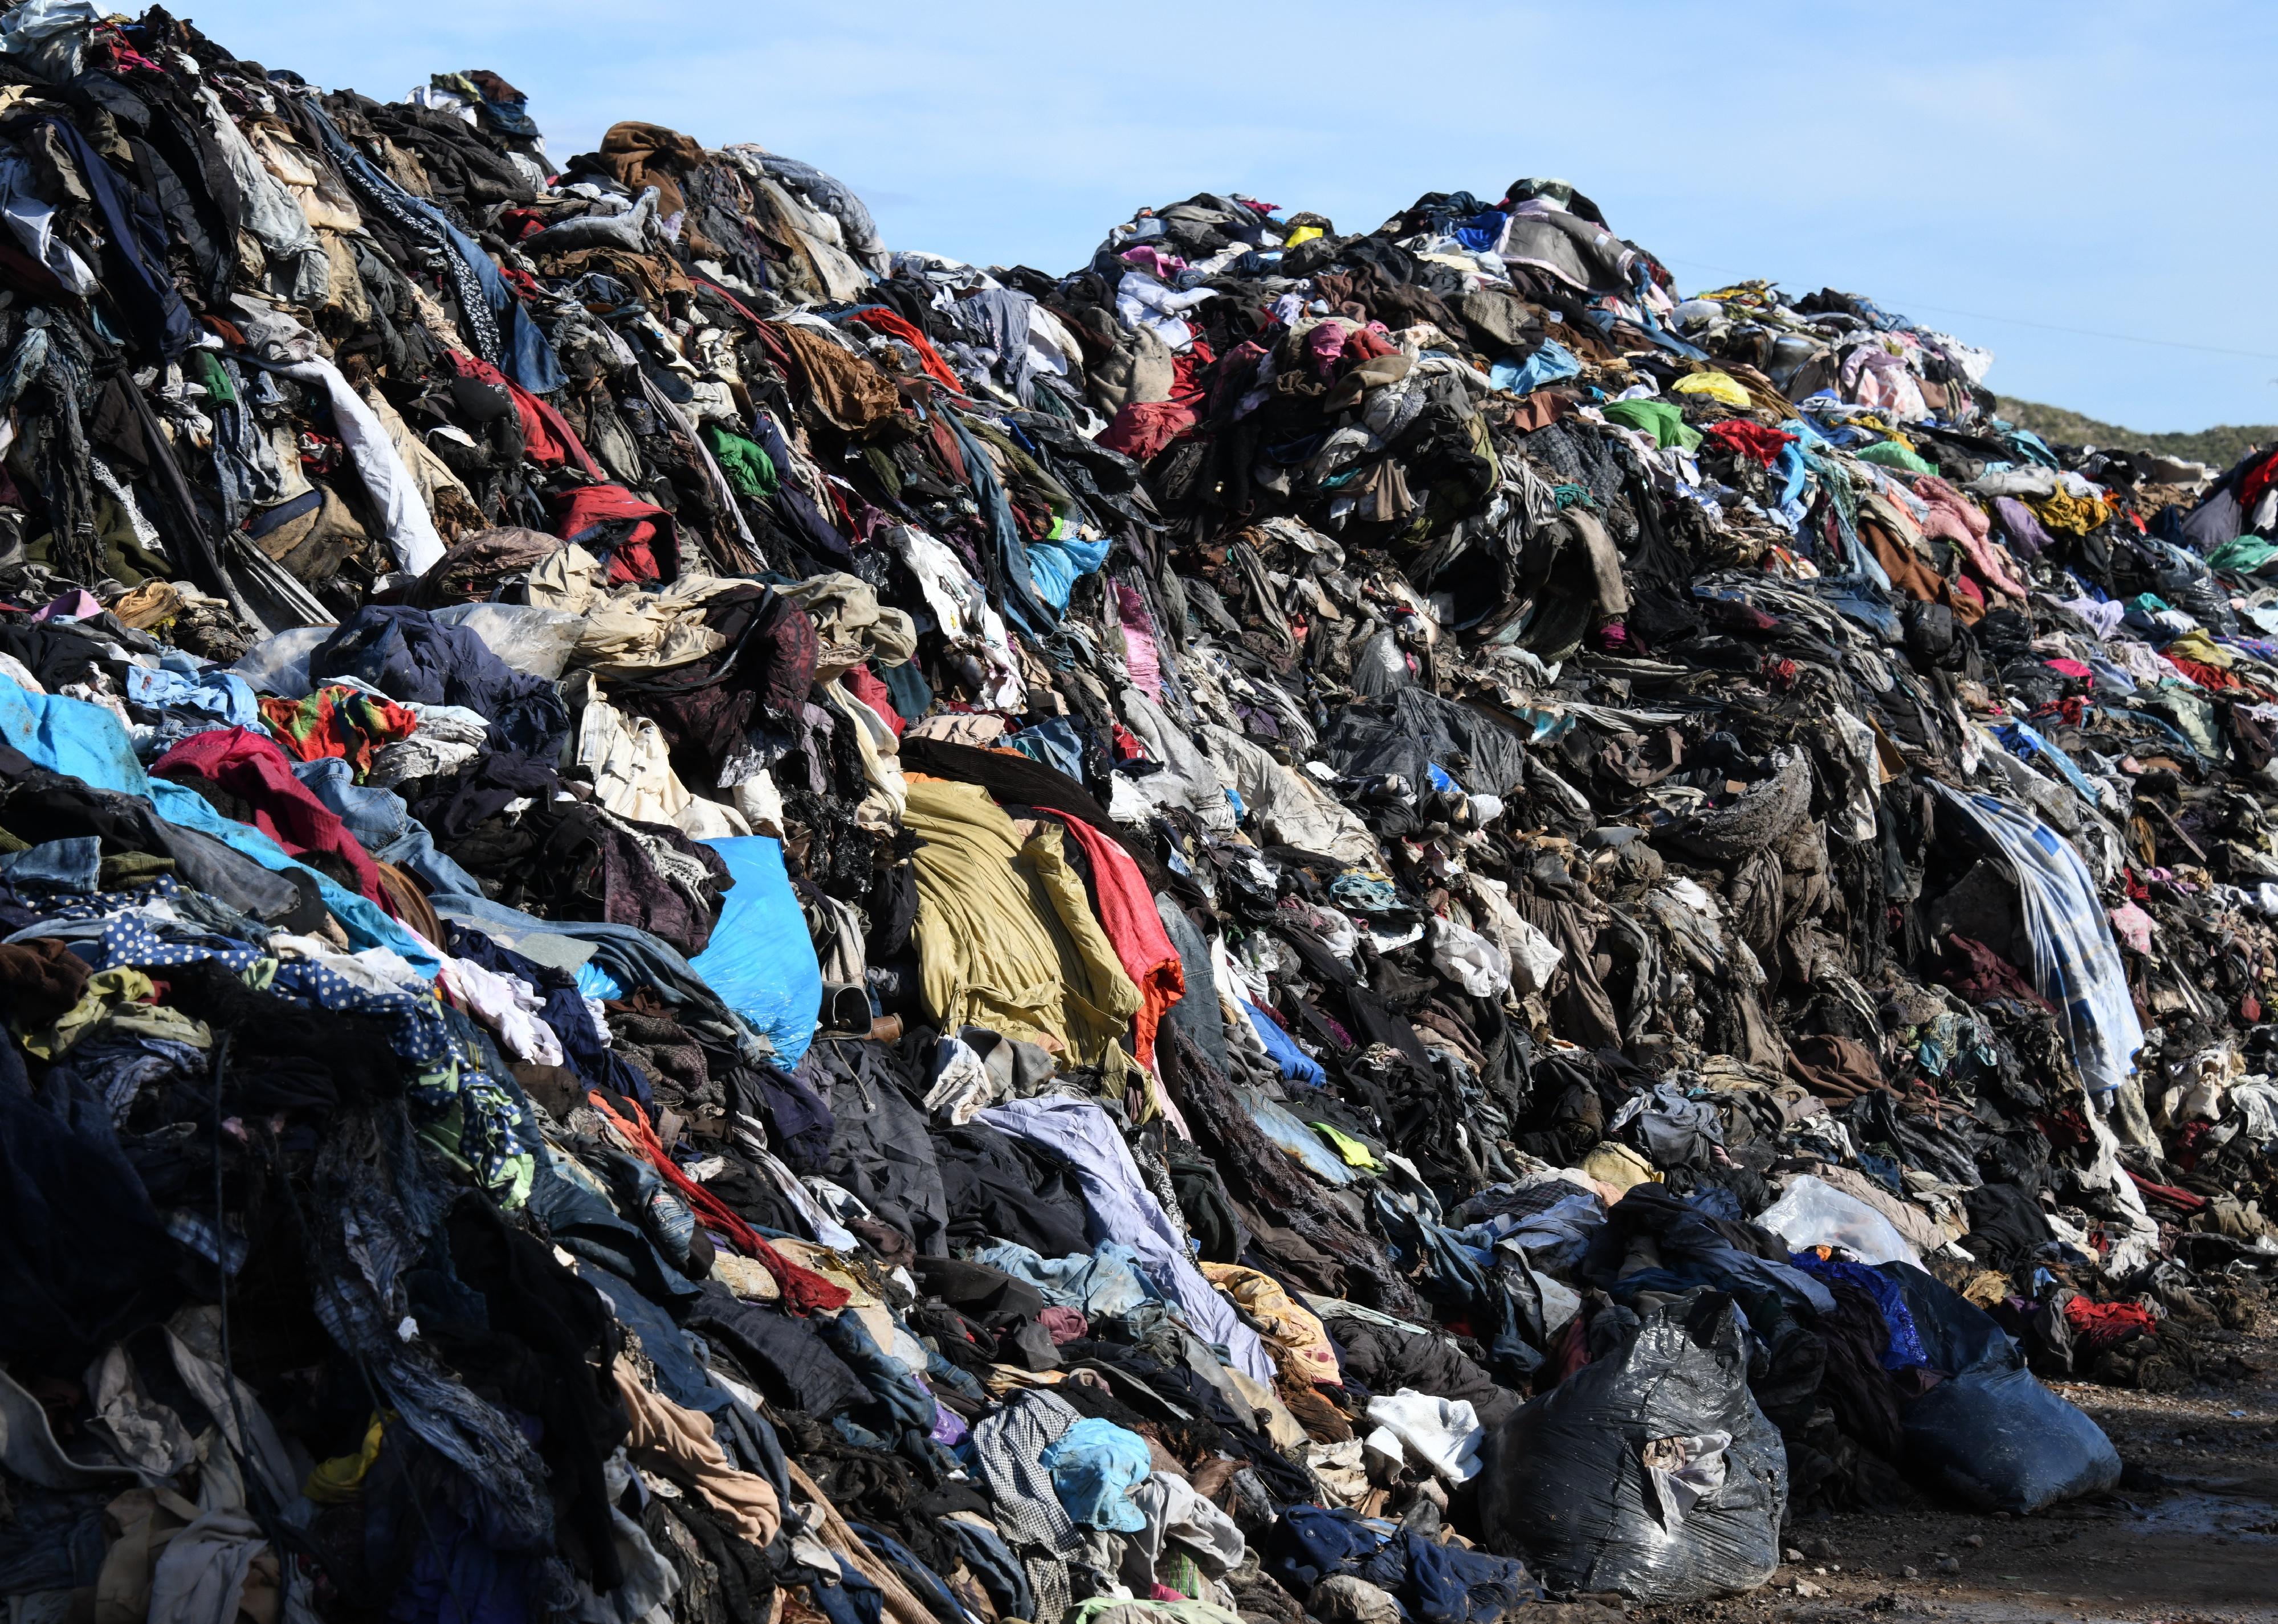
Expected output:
(1814, 1213)
(279, 664)
(535, 641)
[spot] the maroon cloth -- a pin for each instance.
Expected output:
(248, 765)
(1065, 1324)
(704, 708)
(1983, 976)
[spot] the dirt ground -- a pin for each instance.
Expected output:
(2189, 1537)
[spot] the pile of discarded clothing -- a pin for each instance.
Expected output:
(704, 923)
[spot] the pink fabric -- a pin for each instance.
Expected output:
(1154, 261)
(1140, 653)
(1962, 522)
(73, 605)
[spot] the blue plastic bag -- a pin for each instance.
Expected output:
(761, 961)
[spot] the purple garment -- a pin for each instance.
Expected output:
(2023, 532)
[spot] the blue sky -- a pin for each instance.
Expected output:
(2053, 181)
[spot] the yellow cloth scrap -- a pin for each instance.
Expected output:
(1299, 1343)
(2061, 510)
(1616, 1165)
(341, 1479)
(1716, 386)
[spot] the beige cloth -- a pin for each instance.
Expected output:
(660, 1427)
(851, 625)
(979, 729)
(632, 773)
(628, 629)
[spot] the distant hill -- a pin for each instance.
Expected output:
(2219, 446)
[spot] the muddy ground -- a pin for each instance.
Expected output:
(2189, 1537)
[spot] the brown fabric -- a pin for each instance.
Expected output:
(313, 546)
(42, 978)
(407, 902)
(1915, 578)
(681, 1444)
(477, 562)
(656, 276)
(1834, 1067)
(847, 388)
(644, 155)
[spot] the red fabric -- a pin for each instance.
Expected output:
(1750, 439)
(2167, 1195)
(894, 327)
(1569, 1351)
(873, 693)
(2215, 679)
(547, 436)
(249, 765)
(2101, 1325)
(1142, 429)
(1368, 343)
(579, 510)
(2258, 479)
(803, 1290)
(1135, 930)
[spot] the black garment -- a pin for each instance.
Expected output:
(539, 1344)
(1385, 1360)
(134, 247)
(1335, 1258)
(999, 1188)
(791, 1364)
(85, 1258)
(879, 1147)
(2007, 1225)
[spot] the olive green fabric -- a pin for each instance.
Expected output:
(1006, 937)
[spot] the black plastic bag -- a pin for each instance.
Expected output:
(2001, 1440)
(1579, 1482)
(1992, 1433)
